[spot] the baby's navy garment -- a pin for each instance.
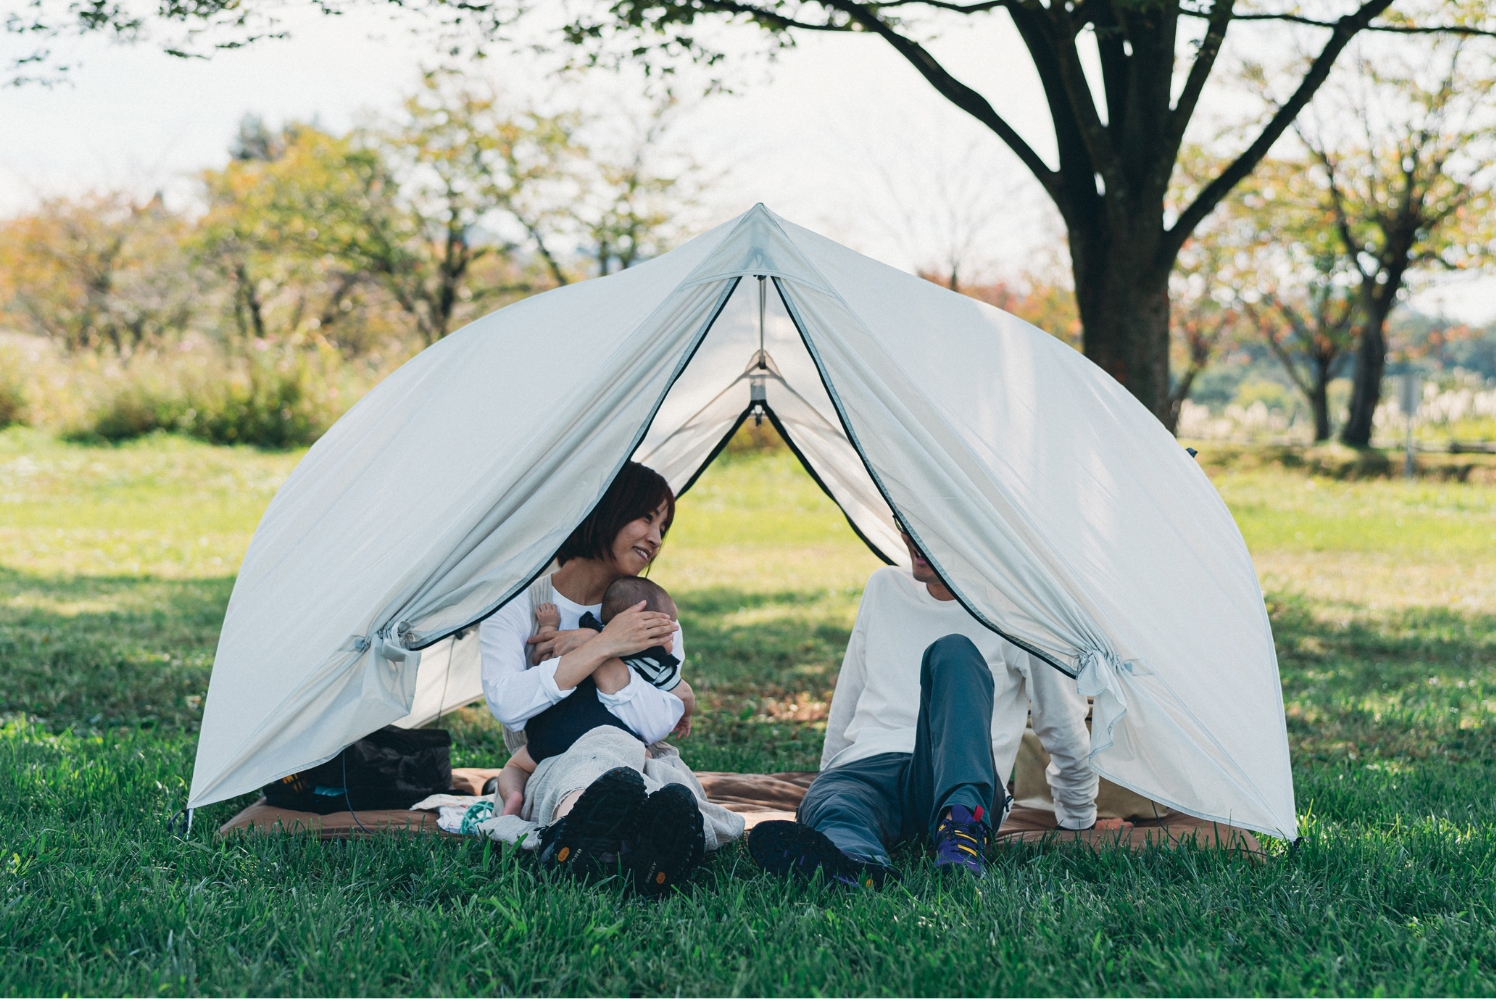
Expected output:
(654, 664)
(554, 730)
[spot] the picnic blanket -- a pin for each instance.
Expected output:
(762, 797)
(1125, 819)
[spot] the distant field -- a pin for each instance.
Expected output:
(115, 566)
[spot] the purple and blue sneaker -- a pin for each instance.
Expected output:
(961, 841)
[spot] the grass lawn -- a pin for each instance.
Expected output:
(116, 563)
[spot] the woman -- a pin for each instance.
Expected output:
(523, 676)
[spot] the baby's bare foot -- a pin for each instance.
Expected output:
(513, 803)
(547, 616)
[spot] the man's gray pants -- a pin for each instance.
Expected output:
(868, 805)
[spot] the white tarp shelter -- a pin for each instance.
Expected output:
(1061, 512)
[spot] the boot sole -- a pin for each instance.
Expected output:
(671, 841)
(600, 824)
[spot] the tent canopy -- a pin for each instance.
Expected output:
(1059, 511)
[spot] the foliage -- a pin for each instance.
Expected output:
(1278, 262)
(466, 159)
(97, 271)
(265, 400)
(109, 636)
(279, 216)
(197, 29)
(1402, 155)
(269, 397)
(366, 243)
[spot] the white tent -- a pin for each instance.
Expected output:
(1060, 511)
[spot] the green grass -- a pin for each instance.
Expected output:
(115, 565)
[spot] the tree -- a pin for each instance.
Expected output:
(98, 271)
(636, 195)
(1403, 154)
(279, 217)
(466, 159)
(1118, 134)
(1291, 277)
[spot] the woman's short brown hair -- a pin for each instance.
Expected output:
(636, 492)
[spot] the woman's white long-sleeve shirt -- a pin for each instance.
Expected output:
(517, 691)
(875, 708)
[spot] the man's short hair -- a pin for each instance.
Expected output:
(629, 590)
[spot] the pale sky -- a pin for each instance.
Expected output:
(839, 134)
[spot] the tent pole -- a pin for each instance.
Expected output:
(762, 302)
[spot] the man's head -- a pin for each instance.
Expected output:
(924, 572)
(627, 591)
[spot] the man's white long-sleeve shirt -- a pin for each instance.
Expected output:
(517, 691)
(875, 707)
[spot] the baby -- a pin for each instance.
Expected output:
(555, 729)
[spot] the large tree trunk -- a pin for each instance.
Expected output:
(1124, 311)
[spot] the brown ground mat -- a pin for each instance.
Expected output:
(261, 817)
(761, 798)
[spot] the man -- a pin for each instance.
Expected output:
(924, 729)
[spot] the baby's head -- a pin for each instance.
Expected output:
(629, 590)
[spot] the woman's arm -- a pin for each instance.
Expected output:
(630, 631)
(515, 693)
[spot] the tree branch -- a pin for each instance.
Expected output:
(952, 89)
(1082, 105)
(1194, 85)
(1395, 29)
(1344, 30)
(772, 18)
(959, 8)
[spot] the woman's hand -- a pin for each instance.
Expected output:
(635, 630)
(630, 631)
(558, 644)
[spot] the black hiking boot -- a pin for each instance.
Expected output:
(790, 849)
(593, 837)
(671, 841)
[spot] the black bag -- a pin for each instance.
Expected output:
(390, 768)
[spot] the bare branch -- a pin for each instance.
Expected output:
(958, 8)
(952, 89)
(1344, 30)
(1194, 85)
(1395, 29)
(772, 18)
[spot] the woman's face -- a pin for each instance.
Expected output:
(638, 542)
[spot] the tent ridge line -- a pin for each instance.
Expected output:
(634, 446)
(883, 490)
